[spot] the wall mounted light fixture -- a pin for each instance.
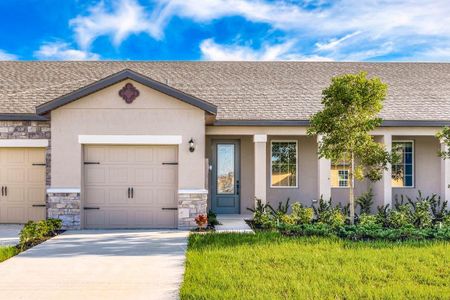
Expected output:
(191, 145)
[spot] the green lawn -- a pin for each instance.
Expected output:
(270, 266)
(7, 252)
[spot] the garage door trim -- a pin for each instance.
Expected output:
(130, 139)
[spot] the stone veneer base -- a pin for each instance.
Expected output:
(190, 205)
(66, 207)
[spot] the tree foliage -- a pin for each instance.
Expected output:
(444, 136)
(351, 106)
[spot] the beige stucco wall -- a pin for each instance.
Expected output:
(427, 167)
(307, 173)
(106, 113)
(246, 168)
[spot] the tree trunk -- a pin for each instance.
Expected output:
(351, 194)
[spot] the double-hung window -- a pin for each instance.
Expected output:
(403, 169)
(283, 164)
(340, 172)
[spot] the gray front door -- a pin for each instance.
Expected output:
(225, 183)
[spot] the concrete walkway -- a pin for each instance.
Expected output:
(114, 264)
(9, 234)
(234, 223)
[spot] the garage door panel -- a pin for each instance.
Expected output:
(117, 218)
(35, 174)
(95, 175)
(15, 175)
(166, 154)
(139, 167)
(143, 196)
(15, 156)
(142, 218)
(118, 175)
(117, 196)
(166, 175)
(119, 155)
(144, 175)
(95, 218)
(15, 214)
(17, 194)
(165, 198)
(144, 155)
(95, 196)
(94, 154)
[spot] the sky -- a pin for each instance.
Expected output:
(309, 30)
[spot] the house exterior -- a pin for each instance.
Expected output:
(154, 144)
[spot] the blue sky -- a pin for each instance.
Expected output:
(344, 30)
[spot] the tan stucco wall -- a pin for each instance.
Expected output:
(307, 173)
(106, 113)
(427, 167)
(246, 168)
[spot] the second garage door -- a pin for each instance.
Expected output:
(130, 186)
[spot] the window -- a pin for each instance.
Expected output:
(343, 178)
(340, 173)
(403, 170)
(283, 164)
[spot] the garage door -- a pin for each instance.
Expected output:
(130, 186)
(22, 184)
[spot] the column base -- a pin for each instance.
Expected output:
(191, 203)
(66, 207)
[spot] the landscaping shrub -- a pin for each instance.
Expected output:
(34, 233)
(365, 202)
(422, 219)
(212, 219)
(327, 214)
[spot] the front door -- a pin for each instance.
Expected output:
(225, 183)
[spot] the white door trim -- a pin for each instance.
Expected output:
(130, 139)
(28, 143)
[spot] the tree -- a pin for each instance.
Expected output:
(444, 137)
(351, 106)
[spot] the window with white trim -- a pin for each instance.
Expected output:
(340, 172)
(403, 169)
(283, 164)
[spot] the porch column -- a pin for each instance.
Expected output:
(445, 175)
(387, 174)
(323, 176)
(260, 141)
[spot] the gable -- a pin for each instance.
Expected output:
(123, 76)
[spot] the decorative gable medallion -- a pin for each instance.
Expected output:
(129, 93)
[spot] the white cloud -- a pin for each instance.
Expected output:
(126, 17)
(335, 43)
(62, 51)
(337, 28)
(7, 56)
(284, 51)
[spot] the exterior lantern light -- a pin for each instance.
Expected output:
(191, 145)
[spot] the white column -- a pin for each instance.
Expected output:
(387, 174)
(445, 175)
(323, 176)
(260, 141)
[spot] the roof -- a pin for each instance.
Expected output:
(256, 91)
(120, 76)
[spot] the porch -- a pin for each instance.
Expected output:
(252, 168)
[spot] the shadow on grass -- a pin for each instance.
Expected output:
(230, 240)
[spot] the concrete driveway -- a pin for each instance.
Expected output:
(113, 264)
(9, 234)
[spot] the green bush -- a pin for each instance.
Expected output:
(301, 214)
(366, 232)
(368, 220)
(327, 214)
(365, 202)
(34, 233)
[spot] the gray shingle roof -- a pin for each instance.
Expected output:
(241, 90)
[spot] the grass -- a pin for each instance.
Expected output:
(271, 266)
(8, 252)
